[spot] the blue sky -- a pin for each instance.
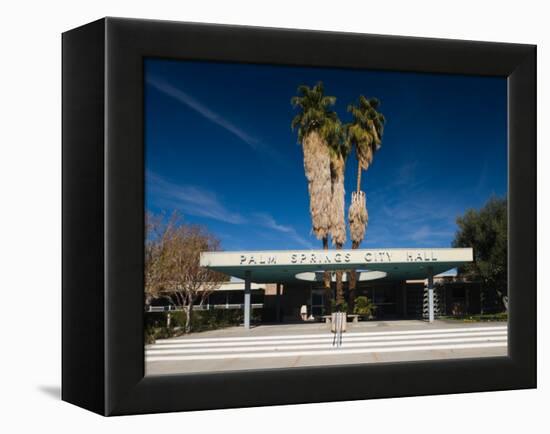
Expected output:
(219, 149)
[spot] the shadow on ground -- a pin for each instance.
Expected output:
(52, 391)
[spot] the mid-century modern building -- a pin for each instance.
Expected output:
(402, 283)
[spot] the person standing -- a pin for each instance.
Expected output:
(303, 312)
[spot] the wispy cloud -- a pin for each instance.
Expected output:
(406, 173)
(183, 97)
(191, 200)
(427, 233)
(422, 220)
(267, 221)
(200, 202)
(414, 213)
(403, 178)
(417, 209)
(200, 108)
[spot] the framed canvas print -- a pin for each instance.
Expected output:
(258, 216)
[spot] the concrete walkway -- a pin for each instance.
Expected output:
(312, 344)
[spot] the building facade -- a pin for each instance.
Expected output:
(402, 283)
(393, 300)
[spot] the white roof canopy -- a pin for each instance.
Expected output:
(290, 265)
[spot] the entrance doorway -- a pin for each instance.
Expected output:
(317, 302)
(385, 300)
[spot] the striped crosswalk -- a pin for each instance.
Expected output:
(321, 344)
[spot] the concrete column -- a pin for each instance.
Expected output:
(430, 295)
(247, 307)
(404, 289)
(278, 303)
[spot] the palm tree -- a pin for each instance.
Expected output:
(317, 124)
(364, 133)
(339, 150)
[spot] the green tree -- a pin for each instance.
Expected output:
(486, 231)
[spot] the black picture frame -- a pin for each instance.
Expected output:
(103, 216)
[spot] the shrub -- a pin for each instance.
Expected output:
(154, 333)
(155, 319)
(156, 322)
(149, 335)
(363, 306)
(177, 318)
(338, 308)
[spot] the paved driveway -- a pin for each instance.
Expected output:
(293, 345)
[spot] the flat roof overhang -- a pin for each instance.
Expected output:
(282, 266)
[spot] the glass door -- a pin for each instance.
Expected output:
(317, 302)
(384, 298)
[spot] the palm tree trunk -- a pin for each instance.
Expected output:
(326, 283)
(337, 218)
(339, 285)
(354, 245)
(353, 282)
(359, 175)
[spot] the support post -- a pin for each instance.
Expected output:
(430, 295)
(278, 303)
(247, 300)
(404, 289)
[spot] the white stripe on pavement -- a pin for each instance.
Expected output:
(353, 337)
(332, 352)
(317, 335)
(325, 345)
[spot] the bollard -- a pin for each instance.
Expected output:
(338, 320)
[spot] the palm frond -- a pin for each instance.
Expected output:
(374, 103)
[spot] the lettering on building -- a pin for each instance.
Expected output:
(378, 256)
(369, 257)
(421, 256)
(315, 258)
(257, 260)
